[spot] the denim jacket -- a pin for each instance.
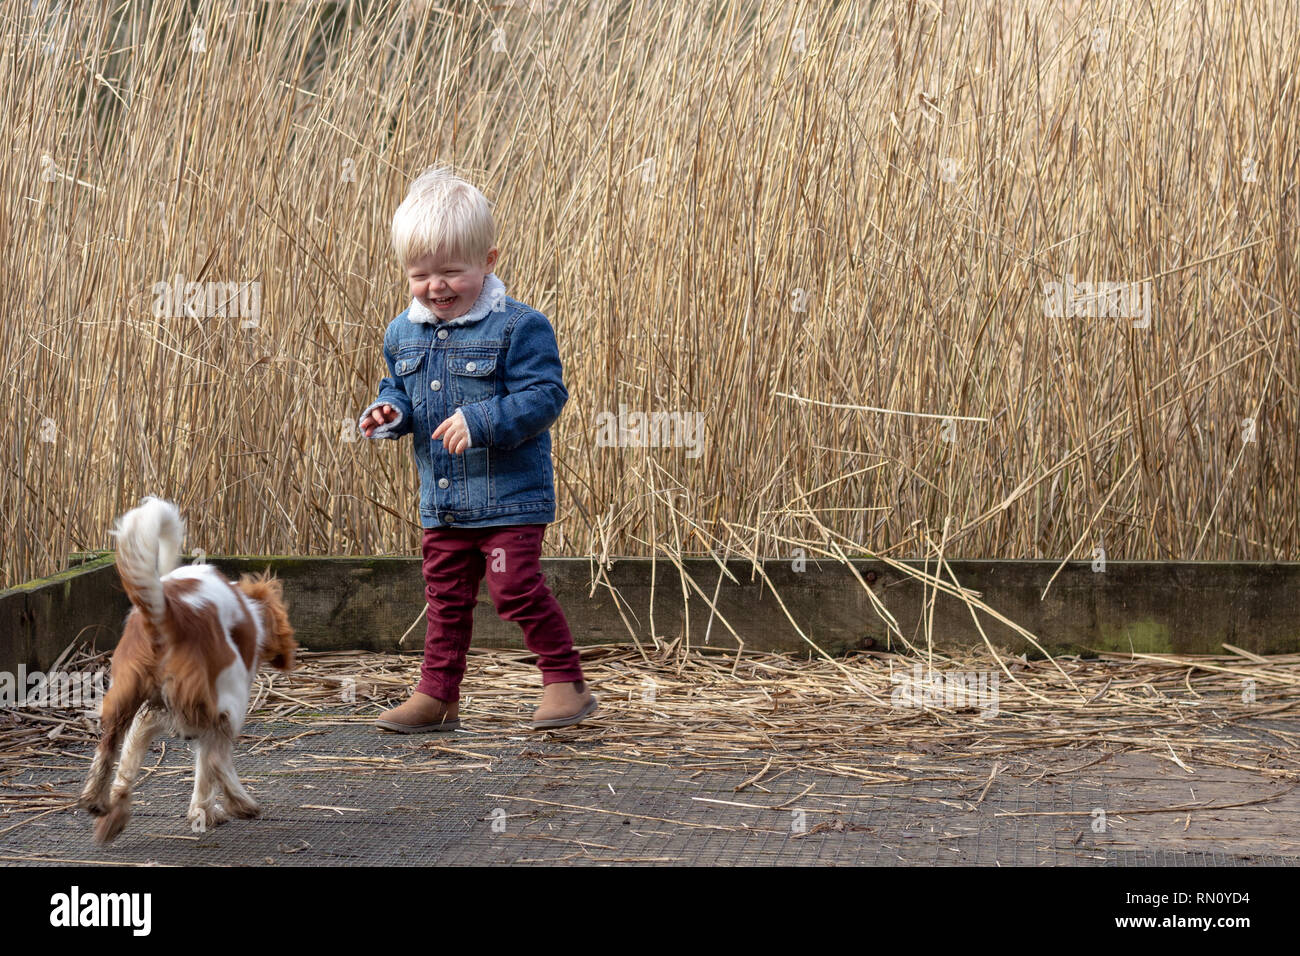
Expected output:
(499, 366)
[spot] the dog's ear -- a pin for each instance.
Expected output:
(262, 586)
(269, 591)
(283, 657)
(270, 579)
(283, 646)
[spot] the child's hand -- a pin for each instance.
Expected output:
(455, 434)
(380, 416)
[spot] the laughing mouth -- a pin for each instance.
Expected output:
(443, 303)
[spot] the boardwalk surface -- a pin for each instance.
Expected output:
(622, 789)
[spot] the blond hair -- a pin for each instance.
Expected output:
(441, 210)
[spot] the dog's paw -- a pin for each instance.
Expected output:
(205, 818)
(93, 803)
(244, 809)
(108, 826)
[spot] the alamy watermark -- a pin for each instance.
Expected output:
(83, 690)
(1098, 300)
(947, 689)
(651, 430)
(76, 908)
(179, 298)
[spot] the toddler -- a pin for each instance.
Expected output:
(475, 377)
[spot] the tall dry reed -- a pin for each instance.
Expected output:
(827, 228)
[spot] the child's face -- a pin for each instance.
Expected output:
(448, 287)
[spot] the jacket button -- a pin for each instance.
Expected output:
(443, 482)
(442, 333)
(435, 385)
(448, 519)
(470, 366)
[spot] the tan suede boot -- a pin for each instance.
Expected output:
(420, 715)
(564, 704)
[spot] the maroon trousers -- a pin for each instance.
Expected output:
(455, 561)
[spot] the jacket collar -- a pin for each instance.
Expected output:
(491, 298)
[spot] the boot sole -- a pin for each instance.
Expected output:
(442, 727)
(580, 716)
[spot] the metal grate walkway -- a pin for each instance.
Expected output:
(348, 794)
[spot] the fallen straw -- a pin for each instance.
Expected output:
(759, 717)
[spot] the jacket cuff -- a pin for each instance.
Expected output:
(386, 430)
(476, 420)
(465, 422)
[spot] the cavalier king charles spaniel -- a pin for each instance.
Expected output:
(186, 661)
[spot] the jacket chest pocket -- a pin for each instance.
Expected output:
(473, 376)
(409, 367)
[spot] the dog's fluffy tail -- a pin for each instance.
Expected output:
(148, 546)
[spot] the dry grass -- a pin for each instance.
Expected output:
(718, 214)
(766, 715)
(755, 719)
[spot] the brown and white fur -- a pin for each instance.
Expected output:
(186, 662)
